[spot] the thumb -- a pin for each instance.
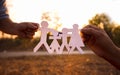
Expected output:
(33, 26)
(88, 31)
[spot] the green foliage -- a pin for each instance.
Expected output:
(6, 43)
(17, 44)
(104, 20)
(100, 18)
(116, 35)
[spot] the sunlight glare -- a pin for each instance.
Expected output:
(70, 12)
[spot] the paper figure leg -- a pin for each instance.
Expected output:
(37, 47)
(61, 49)
(80, 50)
(71, 49)
(48, 49)
(58, 50)
(68, 48)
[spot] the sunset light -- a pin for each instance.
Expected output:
(70, 12)
(59, 37)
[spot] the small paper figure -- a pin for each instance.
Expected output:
(64, 36)
(55, 47)
(75, 41)
(43, 41)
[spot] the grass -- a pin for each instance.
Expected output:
(57, 65)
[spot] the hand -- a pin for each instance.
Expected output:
(26, 29)
(101, 44)
(98, 40)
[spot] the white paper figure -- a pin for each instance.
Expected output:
(44, 30)
(55, 47)
(64, 36)
(75, 41)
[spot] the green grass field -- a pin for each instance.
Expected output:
(88, 64)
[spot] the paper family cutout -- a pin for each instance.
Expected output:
(55, 47)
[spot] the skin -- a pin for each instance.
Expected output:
(101, 44)
(23, 29)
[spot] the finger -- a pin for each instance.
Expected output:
(36, 24)
(85, 37)
(31, 30)
(95, 27)
(22, 35)
(89, 31)
(92, 26)
(29, 33)
(33, 26)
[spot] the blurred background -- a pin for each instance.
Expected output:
(60, 14)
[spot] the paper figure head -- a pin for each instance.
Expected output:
(75, 26)
(64, 30)
(44, 24)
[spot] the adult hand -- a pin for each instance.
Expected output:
(26, 29)
(101, 44)
(97, 40)
(23, 29)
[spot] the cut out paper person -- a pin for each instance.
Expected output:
(55, 47)
(43, 41)
(64, 36)
(75, 40)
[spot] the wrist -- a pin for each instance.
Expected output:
(113, 57)
(7, 26)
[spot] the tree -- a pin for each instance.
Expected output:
(100, 18)
(103, 21)
(116, 35)
(52, 18)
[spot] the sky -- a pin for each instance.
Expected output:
(70, 11)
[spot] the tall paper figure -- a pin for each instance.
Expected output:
(43, 41)
(76, 40)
